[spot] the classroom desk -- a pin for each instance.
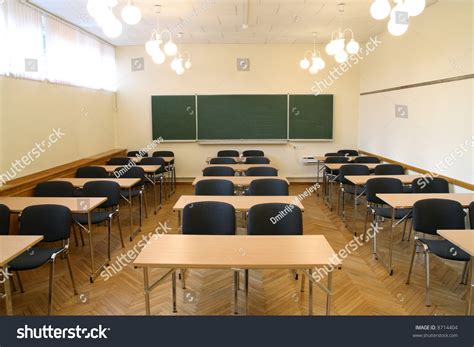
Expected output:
(240, 181)
(407, 200)
(138, 159)
(125, 183)
(149, 171)
(320, 160)
(222, 252)
(362, 181)
(240, 167)
(12, 246)
(241, 203)
(237, 159)
(84, 205)
(464, 239)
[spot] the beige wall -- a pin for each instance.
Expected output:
(274, 69)
(440, 124)
(30, 110)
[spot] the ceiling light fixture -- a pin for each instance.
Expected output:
(177, 63)
(315, 63)
(102, 12)
(399, 14)
(153, 46)
(131, 14)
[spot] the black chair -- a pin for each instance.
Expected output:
(138, 190)
(430, 185)
(218, 171)
(346, 186)
(367, 160)
(268, 186)
(274, 219)
(171, 168)
(257, 160)
(209, 218)
(333, 154)
(253, 153)
(430, 215)
(228, 153)
(378, 207)
(471, 214)
(4, 220)
(222, 160)
(138, 154)
(120, 161)
(389, 169)
(348, 152)
(54, 223)
(261, 171)
(160, 174)
(99, 189)
(214, 187)
(331, 176)
(91, 172)
(54, 189)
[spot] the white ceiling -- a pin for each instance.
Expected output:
(220, 21)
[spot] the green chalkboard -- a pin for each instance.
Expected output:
(311, 117)
(222, 117)
(174, 117)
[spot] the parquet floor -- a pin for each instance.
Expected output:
(361, 287)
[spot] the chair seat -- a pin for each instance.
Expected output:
(386, 212)
(96, 217)
(445, 249)
(33, 258)
(125, 192)
(351, 189)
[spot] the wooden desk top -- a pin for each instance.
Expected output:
(323, 158)
(124, 183)
(240, 202)
(12, 246)
(337, 166)
(360, 180)
(240, 167)
(464, 239)
(237, 180)
(138, 159)
(16, 204)
(237, 159)
(407, 200)
(242, 251)
(146, 168)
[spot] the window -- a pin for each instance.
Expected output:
(40, 47)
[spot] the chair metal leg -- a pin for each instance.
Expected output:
(404, 229)
(411, 263)
(51, 288)
(71, 274)
(74, 233)
(338, 201)
(183, 278)
(410, 230)
(145, 203)
(236, 296)
(303, 280)
(173, 288)
(427, 269)
(120, 229)
(246, 290)
(465, 273)
(82, 236)
(366, 221)
(109, 236)
(19, 281)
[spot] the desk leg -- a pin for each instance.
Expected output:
(173, 286)
(8, 291)
(471, 284)
(236, 296)
(154, 193)
(390, 245)
(310, 296)
(247, 290)
(91, 248)
(329, 295)
(317, 177)
(146, 291)
(130, 206)
(180, 228)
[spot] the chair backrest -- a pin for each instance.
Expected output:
(119, 161)
(261, 171)
(253, 153)
(430, 185)
(352, 170)
(214, 187)
(163, 154)
(389, 169)
(131, 172)
(4, 220)
(218, 171)
(141, 154)
(209, 218)
(91, 172)
(54, 189)
(430, 215)
(51, 221)
(471, 214)
(268, 186)
(348, 152)
(228, 153)
(154, 161)
(222, 160)
(106, 189)
(275, 219)
(367, 160)
(336, 160)
(332, 154)
(382, 185)
(257, 160)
